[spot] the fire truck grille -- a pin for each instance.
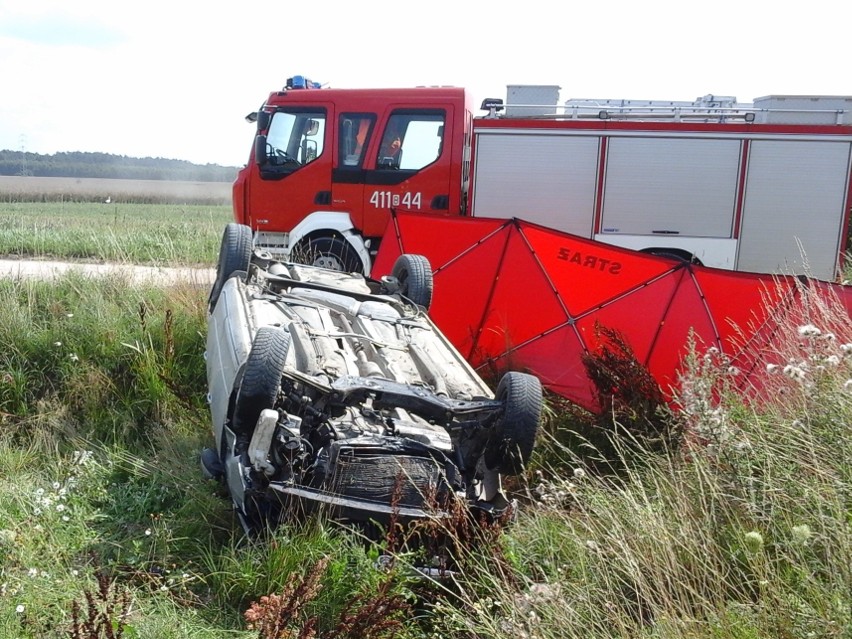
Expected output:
(390, 479)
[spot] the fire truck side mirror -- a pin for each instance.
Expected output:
(260, 156)
(263, 118)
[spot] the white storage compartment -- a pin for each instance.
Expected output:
(804, 109)
(547, 179)
(542, 100)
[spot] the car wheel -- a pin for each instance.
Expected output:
(333, 253)
(510, 444)
(261, 380)
(415, 278)
(234, 256)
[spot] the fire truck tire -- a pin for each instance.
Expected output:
(261, 380)
(234, 256)
(674, 255)
(331, 252)
(415, 278)
(510, 445)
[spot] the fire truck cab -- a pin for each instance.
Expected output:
(761, 187)
(328, 165)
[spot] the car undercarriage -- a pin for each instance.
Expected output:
(333, 392)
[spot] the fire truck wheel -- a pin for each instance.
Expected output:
(511, 443)
(674, 255)
(415, 278)
(234, 256)
(261, 379)
(331, 252)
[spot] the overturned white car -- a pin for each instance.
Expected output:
(330, 390)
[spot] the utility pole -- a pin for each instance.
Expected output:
(23, 141)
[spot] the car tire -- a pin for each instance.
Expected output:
(329, 252)
(510, 445)
(261, 379)
(234, 256)
(414, 274)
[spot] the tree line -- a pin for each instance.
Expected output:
(105, 165)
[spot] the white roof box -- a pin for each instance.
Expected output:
(804, 109)
(531, 100)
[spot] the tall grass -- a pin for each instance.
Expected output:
(743, 530)
(163, 234)
(738, 528)
(102, 501)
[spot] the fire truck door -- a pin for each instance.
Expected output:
(406, 165)
(354, 135)
(293, 176)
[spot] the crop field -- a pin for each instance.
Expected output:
(53, 189)
(160, 234)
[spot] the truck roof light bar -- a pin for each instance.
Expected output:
(301, 82)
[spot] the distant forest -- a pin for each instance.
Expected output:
(77, 164)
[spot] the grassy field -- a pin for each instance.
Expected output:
(728, 519)
(162, 234)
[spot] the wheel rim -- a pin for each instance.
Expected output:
(329, 262)
(332, 253)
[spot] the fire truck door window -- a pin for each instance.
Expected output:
(354, 135)
(411, 141)
(295, 138)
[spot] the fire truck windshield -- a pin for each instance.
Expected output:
(295, 138)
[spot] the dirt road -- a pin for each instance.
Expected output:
(46, 269)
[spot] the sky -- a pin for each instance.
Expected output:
(175, 79)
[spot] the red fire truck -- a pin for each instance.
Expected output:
(762, 187)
